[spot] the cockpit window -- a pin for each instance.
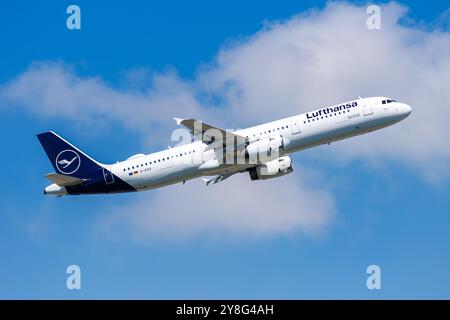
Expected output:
(387, 101)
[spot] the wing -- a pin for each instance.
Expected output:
(221, 177)
(216, 138)
(64, 180)
(218, 178)
(209, 132)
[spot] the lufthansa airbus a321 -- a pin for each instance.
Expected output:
(262, 151)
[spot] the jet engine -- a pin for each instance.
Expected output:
(266, 149)
(272, 169)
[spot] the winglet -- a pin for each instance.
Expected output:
(178, 120)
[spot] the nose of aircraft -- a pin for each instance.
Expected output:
(404, 109)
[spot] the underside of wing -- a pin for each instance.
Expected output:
(218, 178)
(223, 176)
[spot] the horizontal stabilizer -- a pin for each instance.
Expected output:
(64, 180)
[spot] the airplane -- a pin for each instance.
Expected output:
(262, 151)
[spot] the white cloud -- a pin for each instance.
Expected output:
(232, 209)
(314, 59)
(54, 90)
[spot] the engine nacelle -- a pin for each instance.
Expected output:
(272, 169)
(266, 149)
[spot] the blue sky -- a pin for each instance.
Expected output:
(388, 204)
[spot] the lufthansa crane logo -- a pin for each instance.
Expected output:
(68, 161)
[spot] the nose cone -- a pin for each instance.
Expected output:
(404, 109)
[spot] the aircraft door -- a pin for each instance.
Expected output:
(295, 126)
(367, 108)
(109, 178)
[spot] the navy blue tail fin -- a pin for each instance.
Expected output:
(66, 158)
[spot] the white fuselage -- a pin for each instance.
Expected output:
(306, 130)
